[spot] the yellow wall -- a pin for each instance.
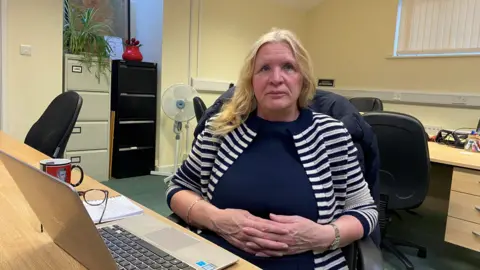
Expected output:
(32, 82)
(351, 41)
(227, 30)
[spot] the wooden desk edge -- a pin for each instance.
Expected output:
(241, 264)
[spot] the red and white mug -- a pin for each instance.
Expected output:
(61, 169)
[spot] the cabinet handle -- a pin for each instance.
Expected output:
(76, 159)
(476, 233)
(77, 130)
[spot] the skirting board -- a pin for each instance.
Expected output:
(166, 170)
(468, 100)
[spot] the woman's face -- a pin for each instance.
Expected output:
(277, 81)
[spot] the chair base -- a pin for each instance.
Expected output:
(390, 243)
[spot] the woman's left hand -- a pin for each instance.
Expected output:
(304, 235)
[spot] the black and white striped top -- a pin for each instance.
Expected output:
(328, 156)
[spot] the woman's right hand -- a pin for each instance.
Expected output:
(229, 224)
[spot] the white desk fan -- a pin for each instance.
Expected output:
(177, 104)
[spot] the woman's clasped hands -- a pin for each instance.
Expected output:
(277, 236)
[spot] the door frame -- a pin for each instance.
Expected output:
(3, 61)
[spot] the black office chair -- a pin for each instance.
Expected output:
(367, 104)
(199, 107)
(404, 172)
(51, 132)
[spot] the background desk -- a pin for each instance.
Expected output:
(22, 246)
(463, 221)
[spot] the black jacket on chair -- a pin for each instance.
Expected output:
(339, 108)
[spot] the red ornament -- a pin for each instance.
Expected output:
(132, 53)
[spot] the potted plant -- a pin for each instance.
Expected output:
(84, 36)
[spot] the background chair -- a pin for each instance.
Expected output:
(199, 107)
(367, 104)
(404, 171)
(51, 132)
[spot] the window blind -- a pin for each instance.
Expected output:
(439, 27)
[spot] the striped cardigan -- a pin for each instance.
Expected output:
(327, 153)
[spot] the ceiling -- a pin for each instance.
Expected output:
(301, 4)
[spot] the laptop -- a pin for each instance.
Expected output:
(139, 242)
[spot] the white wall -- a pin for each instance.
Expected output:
(209, 39)
(3, 33)
(146, 25)
(32, 81)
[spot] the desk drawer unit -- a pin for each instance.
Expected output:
(463, 222)
(466, 181)
(463, 233)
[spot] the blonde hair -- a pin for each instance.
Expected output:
(243, 102)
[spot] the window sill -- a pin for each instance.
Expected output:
(418, 56)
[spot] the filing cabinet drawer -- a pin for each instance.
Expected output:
(463, 233)
(79, 78)
(137, 107)
(145, 80)
(133, 162)
(89, 136)
(466, 180)
(131, 133)
(464, 206)
(96, 107)
(94, 163)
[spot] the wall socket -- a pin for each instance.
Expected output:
(432, 130)
(397, 96)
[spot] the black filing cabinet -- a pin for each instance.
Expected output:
(134, 110)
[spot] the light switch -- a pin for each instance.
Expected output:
(26, 50)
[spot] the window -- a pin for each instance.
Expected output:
(438, 27)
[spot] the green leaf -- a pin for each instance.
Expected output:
(84, 36)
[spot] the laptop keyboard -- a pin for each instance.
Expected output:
(131, 252)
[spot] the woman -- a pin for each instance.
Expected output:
(268, 179)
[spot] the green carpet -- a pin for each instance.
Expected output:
(427, 230)
(146, 190)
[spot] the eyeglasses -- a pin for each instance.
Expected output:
(95, 197)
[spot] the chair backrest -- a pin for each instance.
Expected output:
(404, 158)
(199, 107)
(367, 104)
(51, 132)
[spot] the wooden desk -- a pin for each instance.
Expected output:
(463, 221)
(22, 246)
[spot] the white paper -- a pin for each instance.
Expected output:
(116, 43)
(117, 208)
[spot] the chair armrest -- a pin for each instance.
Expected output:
(173, 217)
(369, 255)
